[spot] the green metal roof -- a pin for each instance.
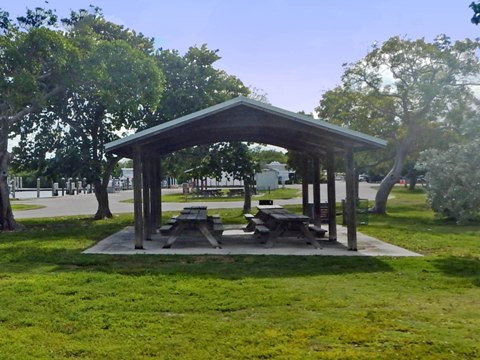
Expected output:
(259, 124)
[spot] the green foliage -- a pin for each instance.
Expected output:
(33, 63)
(115, 81)
(476, 12)
(234, 158)
(36, 64)
(266, 156)
(453, 179)
(23, 207)
(38, 18)
(192, 83)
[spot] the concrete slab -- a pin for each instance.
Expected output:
(237, 242)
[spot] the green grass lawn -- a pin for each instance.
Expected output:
(277, 194)
(22, 207)
(57, 303)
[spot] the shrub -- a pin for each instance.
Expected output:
(453, 181)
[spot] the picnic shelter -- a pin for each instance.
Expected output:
(243, 119)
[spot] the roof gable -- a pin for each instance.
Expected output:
(243, 119)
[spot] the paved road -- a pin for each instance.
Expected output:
(86, 204)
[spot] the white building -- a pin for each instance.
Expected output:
(267, 180)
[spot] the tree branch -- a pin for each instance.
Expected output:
(33, 107)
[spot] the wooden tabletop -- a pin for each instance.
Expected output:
(195, 213)
(281, 214)
(266, 207)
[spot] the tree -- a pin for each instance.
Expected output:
(406, 91)
(116, 83)
(453, 174)
(192, 83)
(258, 95)
(265, 156)
(35, 66)
(236, 159)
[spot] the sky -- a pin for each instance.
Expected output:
(292, 50)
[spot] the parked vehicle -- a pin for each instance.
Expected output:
(363, 177)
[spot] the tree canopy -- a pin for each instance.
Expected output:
(115, 78)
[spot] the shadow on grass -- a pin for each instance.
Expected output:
(30, 259)
(55, 245)
(463, 267)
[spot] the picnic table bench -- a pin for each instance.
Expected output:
(194, 218)
(274, 221)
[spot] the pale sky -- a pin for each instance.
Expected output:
(291, 49)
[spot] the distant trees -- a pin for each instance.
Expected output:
(237, 161)
(265, 156)
(408, 91)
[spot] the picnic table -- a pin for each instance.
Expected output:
(236, 192)
(274, 221)
(194, 218)
(213, 193)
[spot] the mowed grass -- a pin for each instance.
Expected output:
(22, 207)
(58, 303)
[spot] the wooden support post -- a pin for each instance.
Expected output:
(305, 186)
(316, 191)
(159, 197)
(137, 197)
(154, 195)
(155, 204)
(147, 215)
(332, 210)
(350, 205)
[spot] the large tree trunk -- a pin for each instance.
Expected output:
(7, 221)
(101, 194)
(247, 205)
(100, 187)
(393, 175)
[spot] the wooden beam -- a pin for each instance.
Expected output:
(350, 205)
(137, 197)
(316, 191)
(331, 193)
(147, 215)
